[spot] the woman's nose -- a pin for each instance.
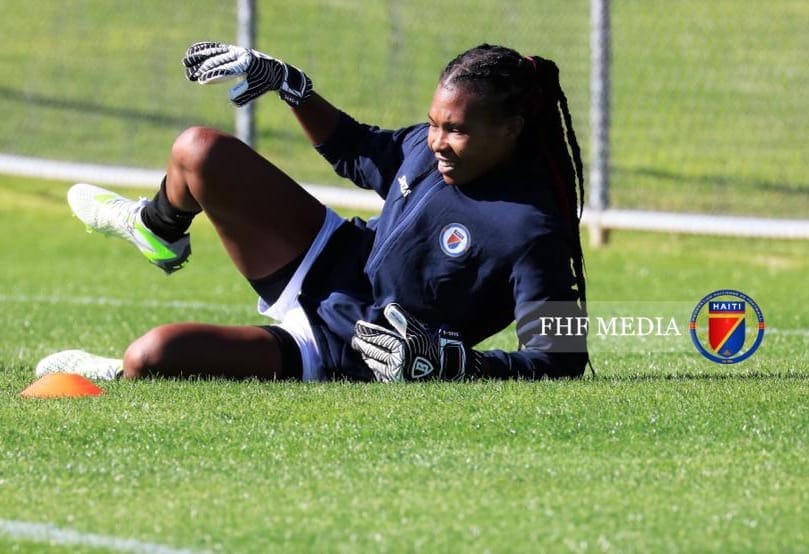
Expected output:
(438, 139)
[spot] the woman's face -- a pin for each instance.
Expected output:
(466, 137)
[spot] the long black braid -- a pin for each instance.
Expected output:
(530, 87)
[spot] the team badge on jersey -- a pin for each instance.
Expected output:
(455, 239)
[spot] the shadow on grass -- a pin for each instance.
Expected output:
(718, 181)
(68, 104)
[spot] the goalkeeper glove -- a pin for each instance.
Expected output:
(213, 62)
(410, 352)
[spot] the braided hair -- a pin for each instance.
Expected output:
(529, 87)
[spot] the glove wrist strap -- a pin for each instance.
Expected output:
(296, 86)
(452, 356)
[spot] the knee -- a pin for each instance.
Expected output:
(197, 149)
(144, 356)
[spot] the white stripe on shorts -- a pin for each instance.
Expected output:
(289, 314)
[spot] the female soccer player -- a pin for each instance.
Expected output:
(480, 228)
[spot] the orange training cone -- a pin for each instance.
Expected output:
(61, 385)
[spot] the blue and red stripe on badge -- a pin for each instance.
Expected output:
(726, 326)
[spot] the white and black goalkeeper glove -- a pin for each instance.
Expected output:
(410, 352)
(213, 62)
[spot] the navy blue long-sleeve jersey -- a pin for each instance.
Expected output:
(472, 258)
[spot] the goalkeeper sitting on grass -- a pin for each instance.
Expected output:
(480, 228)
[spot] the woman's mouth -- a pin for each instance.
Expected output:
(445, 166)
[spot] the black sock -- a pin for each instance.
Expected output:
(163, 219)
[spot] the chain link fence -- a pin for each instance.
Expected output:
(708, 110)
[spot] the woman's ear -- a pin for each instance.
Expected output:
(514, 126)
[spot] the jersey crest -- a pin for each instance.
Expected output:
(455, 240)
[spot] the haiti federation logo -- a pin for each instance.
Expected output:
(455, 239)
(723, 323)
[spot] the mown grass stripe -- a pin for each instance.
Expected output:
(212, 306)
(51, 534)
(119, 302)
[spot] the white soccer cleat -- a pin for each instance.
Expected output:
(110, 213)
(81, 363)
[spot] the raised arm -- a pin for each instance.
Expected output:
(318, 118)
(366, 155)
(258, 73)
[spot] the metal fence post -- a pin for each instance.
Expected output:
(245, 36)
(599, 118)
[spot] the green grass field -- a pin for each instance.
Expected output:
(708, 106)
(659, 452)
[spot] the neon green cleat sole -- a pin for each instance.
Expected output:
(113, 215)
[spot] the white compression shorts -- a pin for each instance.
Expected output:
(289, 314)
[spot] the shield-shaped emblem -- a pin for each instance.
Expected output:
(421, 368)
(726, 327)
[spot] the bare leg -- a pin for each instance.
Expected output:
(201, 350)
(263, 217)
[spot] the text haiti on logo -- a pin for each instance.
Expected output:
(727, 327)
